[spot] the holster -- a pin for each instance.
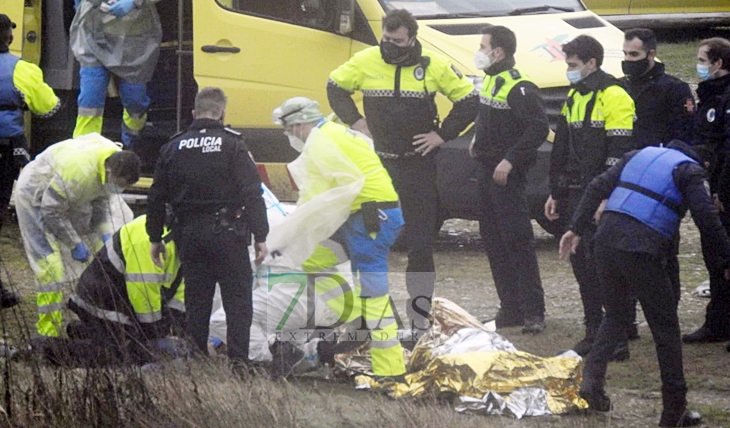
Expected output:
(231, 222)
(370, 216)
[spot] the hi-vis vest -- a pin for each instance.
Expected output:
(145, 287)
(647, 191)
(494, 93)
(145, 280)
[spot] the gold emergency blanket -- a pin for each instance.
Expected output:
(479, 378)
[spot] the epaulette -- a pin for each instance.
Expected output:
(514, 74)
(232, 131)
(178, 134)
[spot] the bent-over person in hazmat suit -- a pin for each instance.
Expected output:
(343, 183)
(124, 303)
(121, 39)
(63, 198)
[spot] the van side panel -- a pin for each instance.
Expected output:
(261, 62)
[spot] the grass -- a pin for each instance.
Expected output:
(208, 394)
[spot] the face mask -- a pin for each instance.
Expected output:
(634, 69)
(295, 142)
(394, 54)
(482, 61)
(704, 72)
(574, 76)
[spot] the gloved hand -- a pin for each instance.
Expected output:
(105, 237)
(77, 3)
(81, 252)
(121, 7)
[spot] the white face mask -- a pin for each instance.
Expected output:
(295, 142)
(574, 76)
(482, 61)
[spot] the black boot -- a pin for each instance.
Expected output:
(592, 390)
(686, 419)
(8, 299)
(705, 335)
(583, 347)
(621, 352)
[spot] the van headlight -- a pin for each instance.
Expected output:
(476, 81)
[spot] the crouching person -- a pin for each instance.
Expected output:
(125, 304)
(342, 181)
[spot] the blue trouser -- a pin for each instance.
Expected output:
(368, 255)
(92, 97)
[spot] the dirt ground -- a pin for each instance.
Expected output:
(463, 276)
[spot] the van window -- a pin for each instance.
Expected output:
(319, 14)
(469, 8)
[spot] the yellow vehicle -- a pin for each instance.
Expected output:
(662, 13)
(261, 52)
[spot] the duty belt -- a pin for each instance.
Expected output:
(386, 155)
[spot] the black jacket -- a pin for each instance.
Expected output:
(625, 233)
(589, 142)
(513, 131)
(202, 170)
(712, 126)
(664, 108)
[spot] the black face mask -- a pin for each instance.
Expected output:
(400, 55)
(634, 69)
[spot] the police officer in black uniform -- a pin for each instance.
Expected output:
(508, 97)
(664, 110)
(212, 183)
(648, 191)
(712, 136)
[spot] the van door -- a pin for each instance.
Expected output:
(262, 53)
(14, 9)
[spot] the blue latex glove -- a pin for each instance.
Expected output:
(77, 3)
(105, 237)
(81, 252)
(121, 8)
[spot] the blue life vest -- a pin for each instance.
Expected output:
(11, 102)
(647, 192)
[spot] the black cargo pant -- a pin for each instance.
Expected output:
(414, 178)
(625, 275)
(506, 231)
(208, 258)
(8, 174)
(717, 315)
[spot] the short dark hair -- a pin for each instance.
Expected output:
(718, 48)
(502, 37)
(6, 29)
(647, 37)
(397, 18)
(210, 102)
(585, 48)
(124, 164)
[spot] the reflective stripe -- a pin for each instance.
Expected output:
(100, 313)
(500, 105)
(149, 317)
(619, 132)
(157, 278)
(114, 258)
(176, 304)
(473, 93)
(379, 324)
(333, 293)
(50, 288)
(384, 344)
(91, 111)
(49, 308)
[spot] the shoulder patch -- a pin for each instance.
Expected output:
(232, 131)
(456, 71)
(514, 74)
